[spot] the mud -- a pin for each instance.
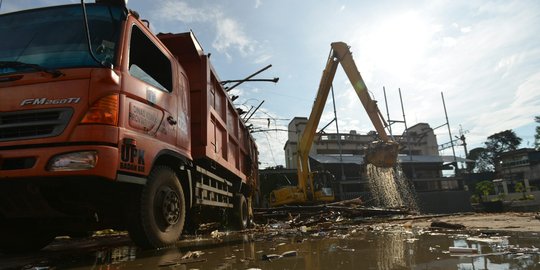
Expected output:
(486, 241)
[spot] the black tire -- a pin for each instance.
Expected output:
(240, 215)
(160, 213)
(14, 240)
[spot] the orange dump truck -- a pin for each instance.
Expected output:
(106, 125)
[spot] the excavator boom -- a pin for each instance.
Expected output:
(381, 153)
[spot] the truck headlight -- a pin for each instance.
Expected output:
(74, 161)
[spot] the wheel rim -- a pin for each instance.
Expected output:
(170, 206)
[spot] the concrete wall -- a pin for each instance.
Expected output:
(432, 202)
(443, 202)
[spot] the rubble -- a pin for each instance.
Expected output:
(446, 225)
(326, 216)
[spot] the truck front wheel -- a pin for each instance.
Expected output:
(160, 212)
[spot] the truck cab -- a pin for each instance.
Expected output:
(96, 130)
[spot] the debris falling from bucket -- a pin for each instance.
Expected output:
(390, 188)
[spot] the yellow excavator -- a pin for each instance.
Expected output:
(381, 153)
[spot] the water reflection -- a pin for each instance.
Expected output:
(356, 248)
(394, 251)
(115, 256)
(497, 253)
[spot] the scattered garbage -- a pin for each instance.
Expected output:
(217, 234)
(189, 257)
(271, 257)
(462, 250)
(345, 249)
(489, 240)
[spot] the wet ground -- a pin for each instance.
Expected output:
(395, 245)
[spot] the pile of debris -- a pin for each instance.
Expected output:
(343, 212)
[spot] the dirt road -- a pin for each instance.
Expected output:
(509, 221)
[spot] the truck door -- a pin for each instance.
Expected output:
(149, 105)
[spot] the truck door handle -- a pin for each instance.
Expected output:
(171, 120)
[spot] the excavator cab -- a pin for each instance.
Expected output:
(323, 182)
(382, 154)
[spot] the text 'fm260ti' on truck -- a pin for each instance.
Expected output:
(106, 125)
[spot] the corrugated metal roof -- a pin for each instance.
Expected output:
(358, 159)
(335, 159)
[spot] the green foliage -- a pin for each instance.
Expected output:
(495, 145)
(484, 188)
(481, 162)
(519, 187)
(503, 141)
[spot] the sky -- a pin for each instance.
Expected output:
(484, 56)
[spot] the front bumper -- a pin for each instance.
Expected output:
(32, 162)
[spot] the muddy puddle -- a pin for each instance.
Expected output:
(351, 248)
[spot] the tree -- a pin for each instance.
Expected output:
(537, 135)
(484, 188)
(480, 157)
(520, 187)
(495, 145)
(499, 143)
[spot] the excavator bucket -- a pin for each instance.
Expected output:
(382, 154)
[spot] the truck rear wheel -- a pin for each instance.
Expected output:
(161, 211)
(240, 215)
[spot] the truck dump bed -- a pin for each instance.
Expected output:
(218, 133)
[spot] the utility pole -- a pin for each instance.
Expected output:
(449, 132)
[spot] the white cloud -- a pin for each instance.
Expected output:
(229, 33)
(263, 58)
(449, 42)
(465, 29)
(182, 11)
(527, 97)
(258, 3)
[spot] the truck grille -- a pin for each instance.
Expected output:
(33, 124)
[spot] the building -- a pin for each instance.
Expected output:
(342, 155)
(421, 141)
(519, 167)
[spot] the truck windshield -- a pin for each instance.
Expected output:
(55, 37)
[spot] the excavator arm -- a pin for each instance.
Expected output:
(381, 153)
(305, 177)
